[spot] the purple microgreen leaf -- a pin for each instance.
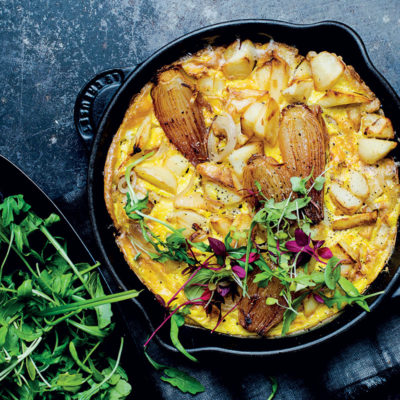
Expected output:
(293, 247)
(301, 238)
(252, 257)
(317, 243)
(217, 247)
(319, 299)
(239, 271)
(325, 253)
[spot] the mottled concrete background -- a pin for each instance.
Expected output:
(49, 49)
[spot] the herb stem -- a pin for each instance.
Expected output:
(20, 358)
(96, 388)
(63, 254)
(98, 301)
(7, 253)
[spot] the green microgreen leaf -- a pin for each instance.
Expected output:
(177, 321)
(332, 272)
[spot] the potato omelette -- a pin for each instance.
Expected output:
(252, 188)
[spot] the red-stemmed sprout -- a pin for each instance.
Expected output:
(305, 248)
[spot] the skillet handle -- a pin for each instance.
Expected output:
(94, 98)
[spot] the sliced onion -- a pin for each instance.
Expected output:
(225, 124)
(123, 187)
(187, 219)
(162, 150)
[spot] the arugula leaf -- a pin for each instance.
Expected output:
(184, 382)
(290, 314)
(181, 380)
(120, 391)
(178, 320)
(103, 311)
(41, 278)
(131, 207)
(332, 272)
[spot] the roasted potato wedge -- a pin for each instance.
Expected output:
(358, 185)
(238, 158)
(303, 70)
(216, 173)
(377, 126)
(373, 150)
(355, 220)
(240, 58)
(262, 119)
(299, 91)
(334, 98)
(344, 199)
(326, 70)
(157, 176)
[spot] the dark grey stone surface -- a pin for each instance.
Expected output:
(49, 49)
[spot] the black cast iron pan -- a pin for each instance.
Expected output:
(100, 108)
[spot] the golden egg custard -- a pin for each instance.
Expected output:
(252, 188)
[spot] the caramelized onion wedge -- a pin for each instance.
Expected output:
(274, 178)
(254, 314)
(177, 109)
(303, 141)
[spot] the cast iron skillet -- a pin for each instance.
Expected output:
(100, 108)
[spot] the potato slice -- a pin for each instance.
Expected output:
(157, 176)
(220, 193)
(190, 220)
(279, 78)
(354, 114)
(326, 69)
(299, 91)
(238, 158)
(211, 85)
(217, 173)
(355, 220)
(344, 199)
(177, 164)
(358, 184)
(221, 224)
(334, 98)
(377, 126)
(240, 58)
(373, 150)
(262, 76)
(193, 201)
(303, 71)
(262, 119)
(250, 118)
